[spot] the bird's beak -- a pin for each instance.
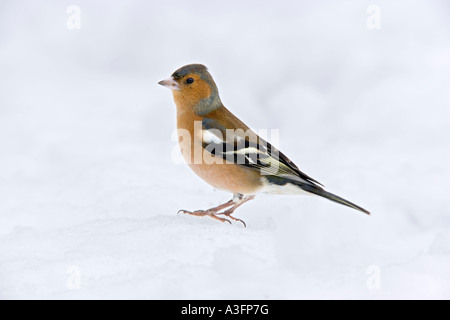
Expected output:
(170, 83)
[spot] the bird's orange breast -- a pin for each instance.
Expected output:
(221, 175)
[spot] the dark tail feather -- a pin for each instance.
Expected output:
(330, 196)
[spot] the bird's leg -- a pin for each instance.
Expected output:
(237, 204)
(211, 212)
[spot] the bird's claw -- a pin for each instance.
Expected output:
(228, 214)
(213, 214)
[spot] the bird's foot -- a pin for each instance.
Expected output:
(228, 214)
(215, 212)
(203, 213)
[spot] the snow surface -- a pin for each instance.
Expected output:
(89, 190)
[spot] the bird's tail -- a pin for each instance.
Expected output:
(328, 195)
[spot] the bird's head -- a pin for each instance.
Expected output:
(193, 86)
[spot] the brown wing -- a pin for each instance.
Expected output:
(230, 121)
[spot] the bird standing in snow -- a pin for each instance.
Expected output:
(225, 153)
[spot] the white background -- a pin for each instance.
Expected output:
(89, 191)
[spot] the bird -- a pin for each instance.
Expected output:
(226, 153)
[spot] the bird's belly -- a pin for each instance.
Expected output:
(228, 177)
(216, 172)
(224, 176)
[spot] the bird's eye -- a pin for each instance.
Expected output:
(189, 80)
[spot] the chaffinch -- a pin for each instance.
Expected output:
(225, 153)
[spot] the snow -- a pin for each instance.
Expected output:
(89, 185)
